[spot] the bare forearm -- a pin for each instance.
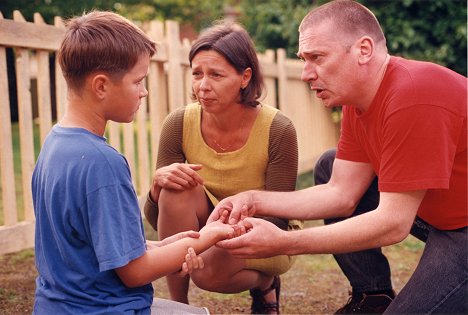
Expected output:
(318, 202)
(366, 231)
(161, 261)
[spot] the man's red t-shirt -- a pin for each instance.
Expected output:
(415, 136)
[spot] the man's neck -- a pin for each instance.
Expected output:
(374, 81)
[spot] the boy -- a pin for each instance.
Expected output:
(90, 245)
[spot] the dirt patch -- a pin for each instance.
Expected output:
(314, 285)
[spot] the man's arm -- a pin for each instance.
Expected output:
(337, 198)
(390, 223)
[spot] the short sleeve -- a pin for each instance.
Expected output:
(348, 146)
(115, 224)
(418, 151)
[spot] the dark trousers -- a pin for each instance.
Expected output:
(439, 283)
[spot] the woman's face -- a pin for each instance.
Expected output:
(216, 82)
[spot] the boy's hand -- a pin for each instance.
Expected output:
(218, 230)
(192, 262)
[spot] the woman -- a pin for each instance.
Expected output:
(225, 143)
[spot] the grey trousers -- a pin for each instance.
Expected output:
(168, 307)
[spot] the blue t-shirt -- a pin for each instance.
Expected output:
(87, 224)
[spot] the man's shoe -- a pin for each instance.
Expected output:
(369, 304)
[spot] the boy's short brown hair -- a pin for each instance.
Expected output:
(101, 41)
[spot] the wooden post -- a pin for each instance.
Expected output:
(282, 77)
(267, 65)
(25, 123)
(175, 78)
(157, 89)
(43, 87)
(6, 153)
(129, 148)
(60, 85)
(143, 152)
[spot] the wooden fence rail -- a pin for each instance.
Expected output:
(33, 45)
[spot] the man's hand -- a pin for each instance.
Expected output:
(233, 209)
(262, 239)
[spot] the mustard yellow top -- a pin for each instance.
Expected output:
(268, 161)
(226, 174)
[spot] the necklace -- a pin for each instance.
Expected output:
(224, 149)
(231, 144)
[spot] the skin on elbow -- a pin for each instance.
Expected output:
(130, 276)
(397, 231)
(399, 234)
(131, 282)
(347, 208)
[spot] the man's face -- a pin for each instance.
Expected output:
(330, 66)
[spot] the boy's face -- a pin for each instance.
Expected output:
(125, 95)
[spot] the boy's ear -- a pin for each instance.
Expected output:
(99, 85)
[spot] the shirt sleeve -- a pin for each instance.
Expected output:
(169, 151)
(348, 147)
(170, 141)
(115, 224)
(281, 172)
(418, 151)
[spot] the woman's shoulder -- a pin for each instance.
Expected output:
(281, 121)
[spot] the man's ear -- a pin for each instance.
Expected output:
(366, 49)
(99, 85)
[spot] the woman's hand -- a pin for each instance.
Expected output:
(177, 176)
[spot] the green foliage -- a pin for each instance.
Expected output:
(50, 8)
(274, 23)
(199, 13)
(425, 30)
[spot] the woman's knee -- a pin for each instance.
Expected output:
(180, 200)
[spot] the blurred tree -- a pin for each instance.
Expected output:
(198, 13)
(433, 30)
(50, 8)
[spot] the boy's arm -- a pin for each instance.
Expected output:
(161, 261)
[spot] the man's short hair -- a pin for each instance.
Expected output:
(348, 17)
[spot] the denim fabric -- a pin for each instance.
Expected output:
(439, 283)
